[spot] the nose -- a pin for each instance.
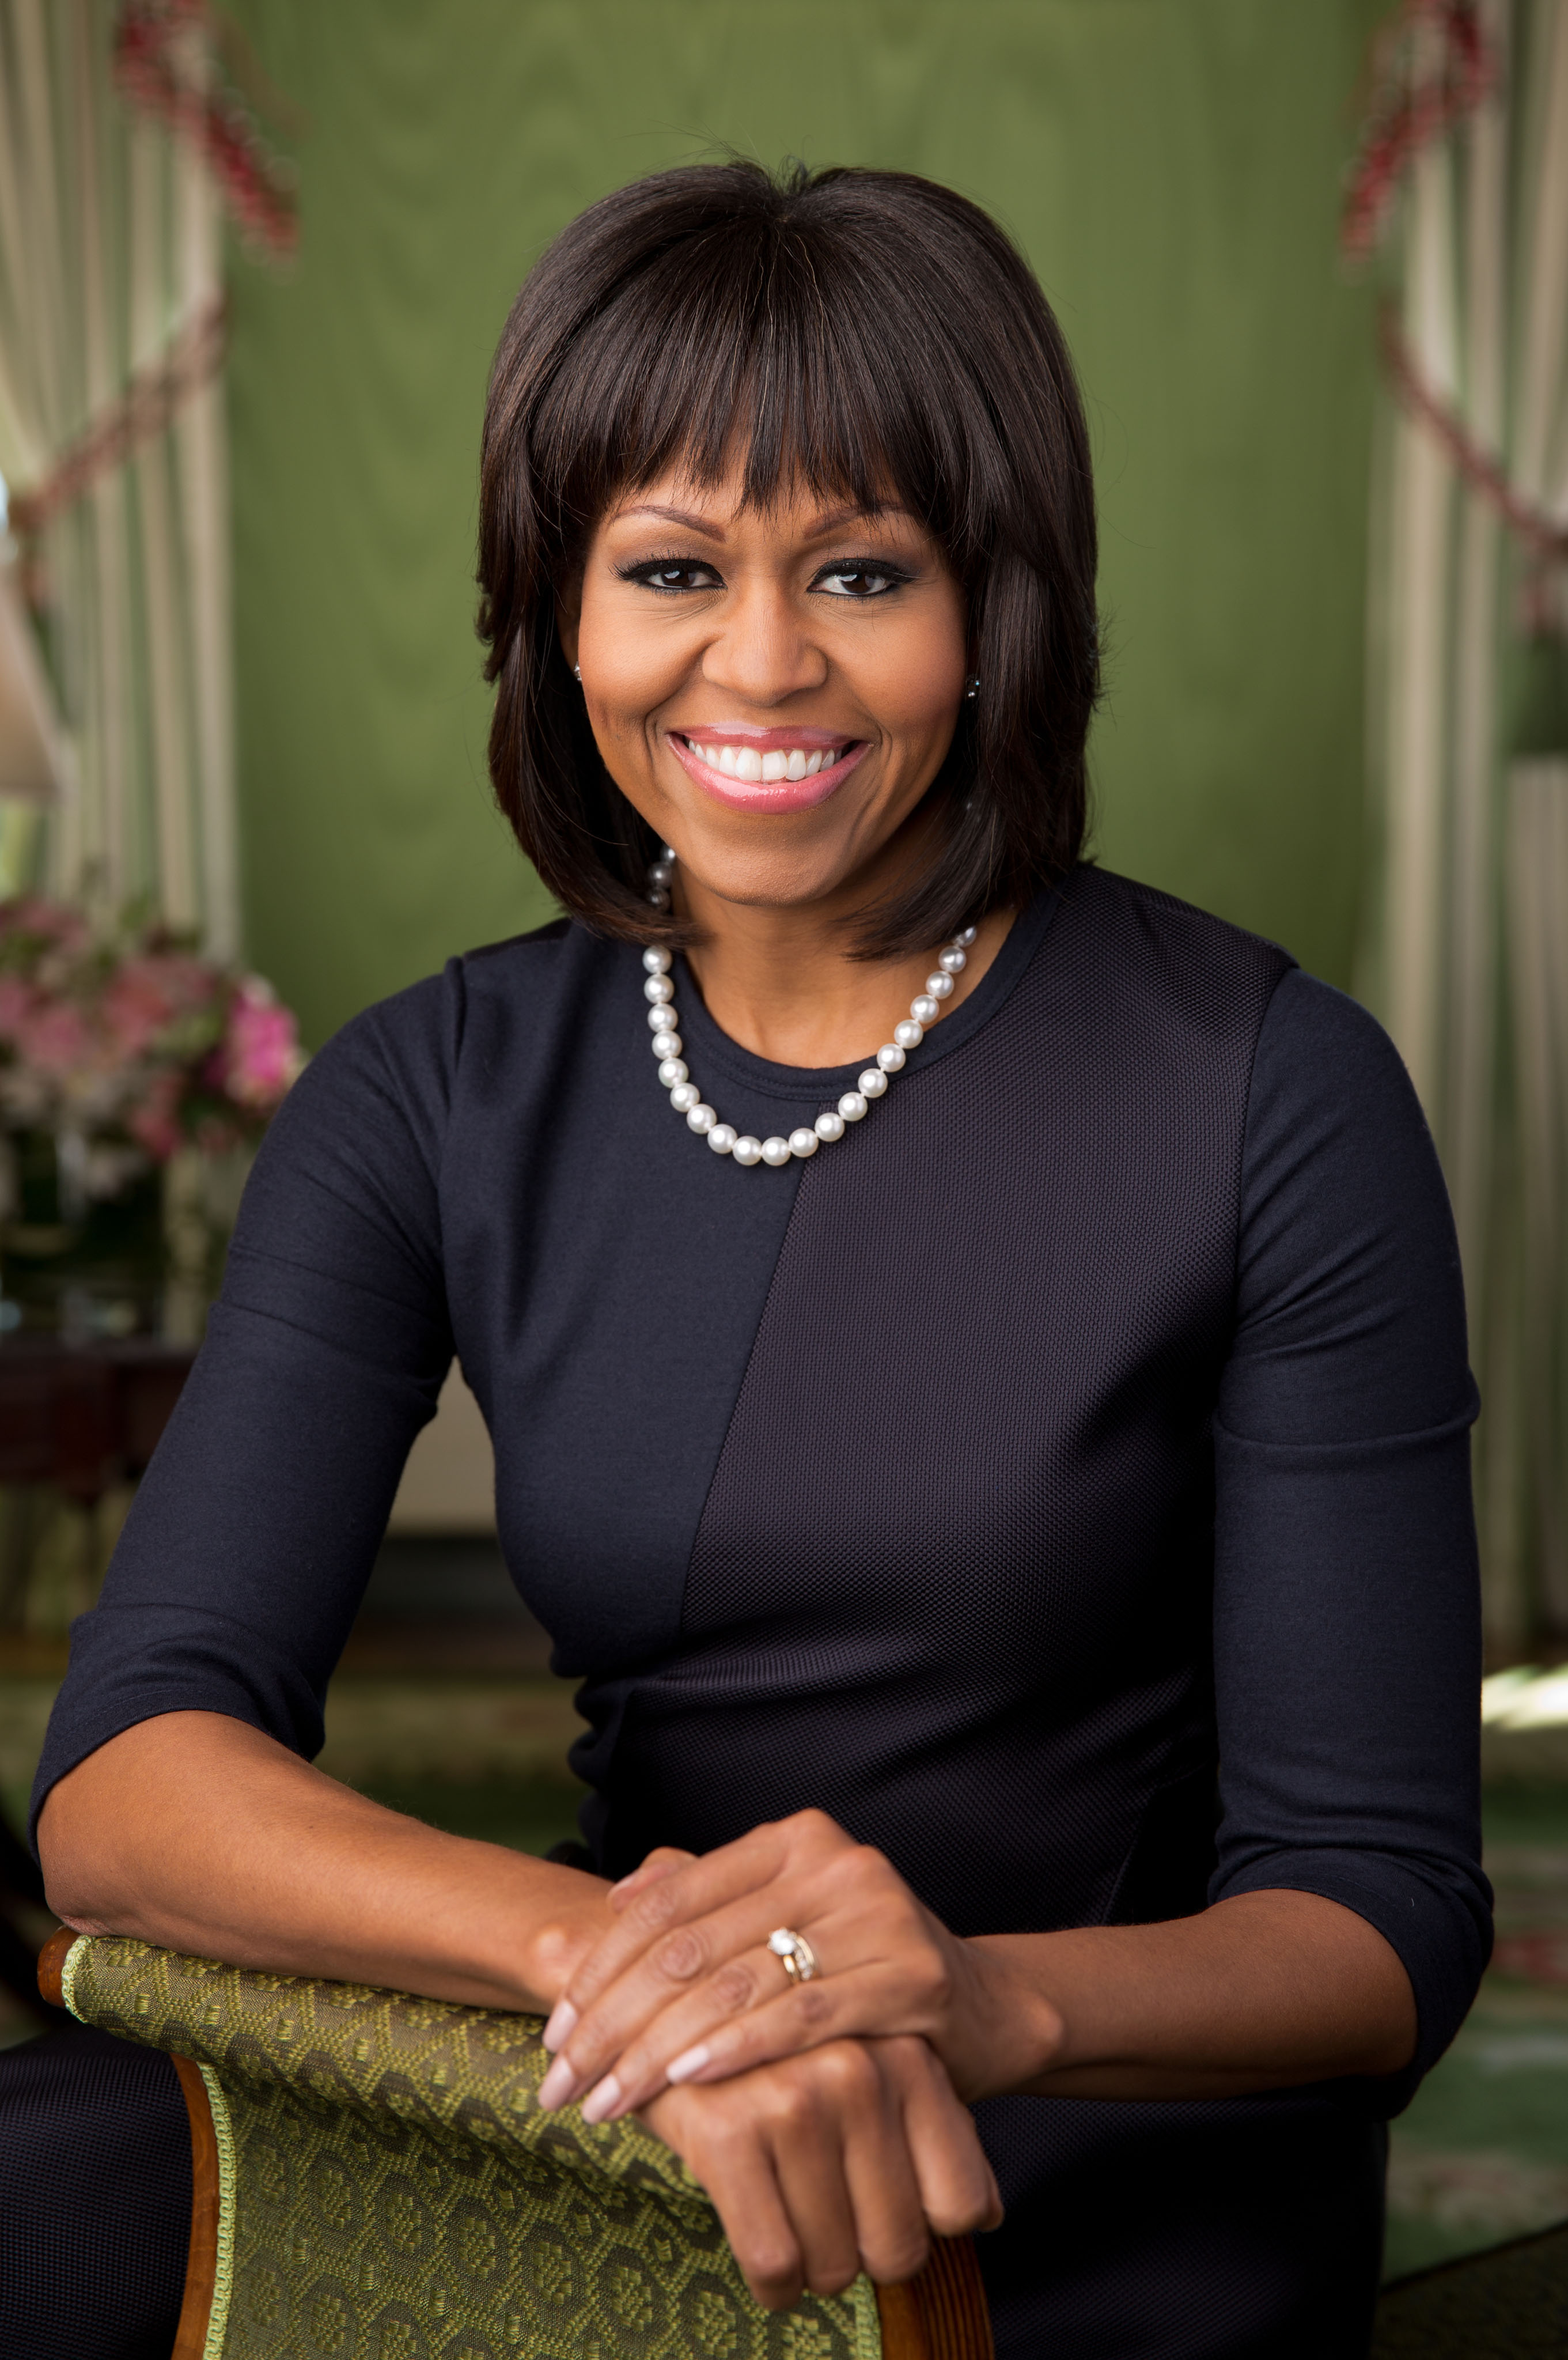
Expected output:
(764, 650)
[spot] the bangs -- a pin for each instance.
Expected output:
(870, 337)
(808, 350)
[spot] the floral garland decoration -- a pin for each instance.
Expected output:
(1411, 108)
(257, 186)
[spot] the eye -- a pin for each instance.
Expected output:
(862, 579)
(673, 574)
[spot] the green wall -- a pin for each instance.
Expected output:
(1170, 167)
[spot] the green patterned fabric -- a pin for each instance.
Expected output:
(395, 2193)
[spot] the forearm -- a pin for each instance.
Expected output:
(1261, 1991)
(197, 1833)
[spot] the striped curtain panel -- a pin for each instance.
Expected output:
(112, 446)
(1470, 747)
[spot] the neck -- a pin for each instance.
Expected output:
(781, 982)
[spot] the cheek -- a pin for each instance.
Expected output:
(633, 669)
(914, 681)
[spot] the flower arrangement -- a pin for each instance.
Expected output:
(125, 1044)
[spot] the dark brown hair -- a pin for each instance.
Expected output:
(869, 335)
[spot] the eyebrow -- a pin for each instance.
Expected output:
(711, 531)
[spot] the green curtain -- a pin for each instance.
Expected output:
(1171, 167)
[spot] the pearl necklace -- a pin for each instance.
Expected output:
(722, 1137)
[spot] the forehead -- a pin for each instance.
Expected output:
(795, 510)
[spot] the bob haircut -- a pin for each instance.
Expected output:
(873, 337)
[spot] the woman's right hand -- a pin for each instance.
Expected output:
(844, 2159)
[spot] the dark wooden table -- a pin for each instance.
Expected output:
(84, 1417)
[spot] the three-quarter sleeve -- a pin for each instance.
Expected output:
(251, 1539)
(1346, 1610)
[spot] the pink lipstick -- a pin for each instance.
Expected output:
(781, 769)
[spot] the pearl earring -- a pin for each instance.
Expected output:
(972, 687)
(577, 673)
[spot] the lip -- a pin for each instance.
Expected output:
(774, 795)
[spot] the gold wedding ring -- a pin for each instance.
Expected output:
(794, 1954)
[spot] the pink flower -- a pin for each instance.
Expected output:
(148, 992)
(260, 1053)
(16, 1004)
(51, 922)
(55, 1037)
(154, 1122)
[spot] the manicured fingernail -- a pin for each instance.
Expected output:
(690, 2062)
(602, 2100)
(557, 2083)
(562, 2026)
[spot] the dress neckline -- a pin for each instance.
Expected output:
(710, 1050)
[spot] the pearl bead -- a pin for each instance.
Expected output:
(722, 1137)
(667, 852)
(661, 873)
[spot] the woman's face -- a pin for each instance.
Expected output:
(774, 690)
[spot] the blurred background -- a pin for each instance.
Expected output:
(1311, 257)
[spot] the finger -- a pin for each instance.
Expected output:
(804, 2114)
(659, 1862)
(598, 2033)
(733, 2161)
(958, 2189)
(713, 2035)
(882, 2188)
(668, 1901)
(809, 1841)
(638, 2072)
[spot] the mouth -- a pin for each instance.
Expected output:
(767, 770)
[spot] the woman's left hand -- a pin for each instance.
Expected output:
(683, 1987)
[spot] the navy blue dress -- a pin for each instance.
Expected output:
(1063, 1480)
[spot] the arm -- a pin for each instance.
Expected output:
(1348, 1925)
(1257, 1992)
(174, 1800)
(197, 1832)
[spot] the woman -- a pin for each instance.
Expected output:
(998, 1465)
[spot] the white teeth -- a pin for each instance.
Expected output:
(746, 762)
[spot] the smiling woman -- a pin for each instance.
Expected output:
(1020, 1564)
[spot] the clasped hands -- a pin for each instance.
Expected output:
(827, 2119)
